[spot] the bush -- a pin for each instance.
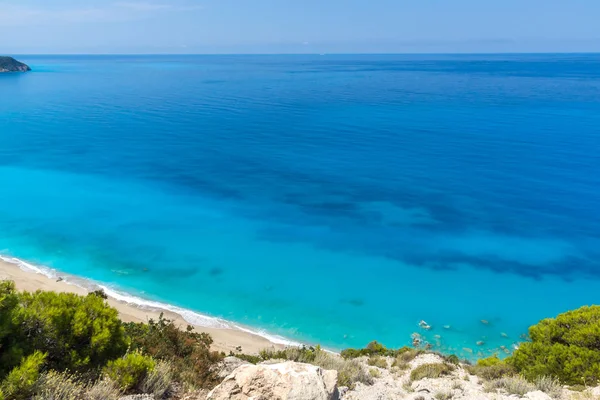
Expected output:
(433, 371)
(378, 361)
(373, 349)
(158, 382)
(403, 359)
(302, 354)
(129, 371)
(58, 386)
(104, 389)
(350, 372)
(566, 347)
(511, 384)
(188, 352)
(77, 333)
(491, 368)
(443, 395)
(549, 386)
(20, 382)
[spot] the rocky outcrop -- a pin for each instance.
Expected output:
(228, 365)
(9, 64)
(283, 381)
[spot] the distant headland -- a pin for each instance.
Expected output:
(9, 64)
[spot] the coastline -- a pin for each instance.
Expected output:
(226, 336)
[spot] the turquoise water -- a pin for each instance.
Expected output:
(331, 200)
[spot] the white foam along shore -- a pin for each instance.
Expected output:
(196, 319)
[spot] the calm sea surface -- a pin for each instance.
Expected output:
(326, 199)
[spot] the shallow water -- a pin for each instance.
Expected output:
(327, 199)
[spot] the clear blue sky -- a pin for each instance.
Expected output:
(303, 26)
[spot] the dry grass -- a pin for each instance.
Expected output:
(492, 372)
(103, 390)
(510, 384)
(431, 371)
(159, 381)
(374, 372)
(402, 360)
(441, 395)
(378, 361)
(349, 371)
(550, 386)
(58, 386)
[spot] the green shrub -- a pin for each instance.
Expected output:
(54, 385)
(433, 371)
(20, 382)
(302, 354)
(492, 368)
(373, 349)
(129, 371)
(187, 351)
(452, 359)
(566, 347)
(378, 361)
(78, 333)
(11, 344)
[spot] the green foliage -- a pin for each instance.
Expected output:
(20, 382)
(566, 347)
(188, 352)
(373, 349)
(252, 359)
(302, 354)
(129, 371)
(433, 371)
(492, 368)
(452, 359)
(489, 362)
(77, 333)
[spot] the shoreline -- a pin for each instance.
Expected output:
(227, 336)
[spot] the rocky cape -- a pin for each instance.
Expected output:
(9, 64)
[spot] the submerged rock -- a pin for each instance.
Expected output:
(283, 381)
(9, 64)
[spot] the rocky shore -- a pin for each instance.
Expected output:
(9, 64)
(426, 377)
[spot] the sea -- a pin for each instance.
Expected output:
(314, 199)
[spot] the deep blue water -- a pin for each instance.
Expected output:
(329, 199)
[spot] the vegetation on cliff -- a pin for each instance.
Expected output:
(54, 343)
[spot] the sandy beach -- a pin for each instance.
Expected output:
(225, 340)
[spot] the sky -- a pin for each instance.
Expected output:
(298, 26)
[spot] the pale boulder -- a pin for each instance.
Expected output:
(537, 395)
(283, 381)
